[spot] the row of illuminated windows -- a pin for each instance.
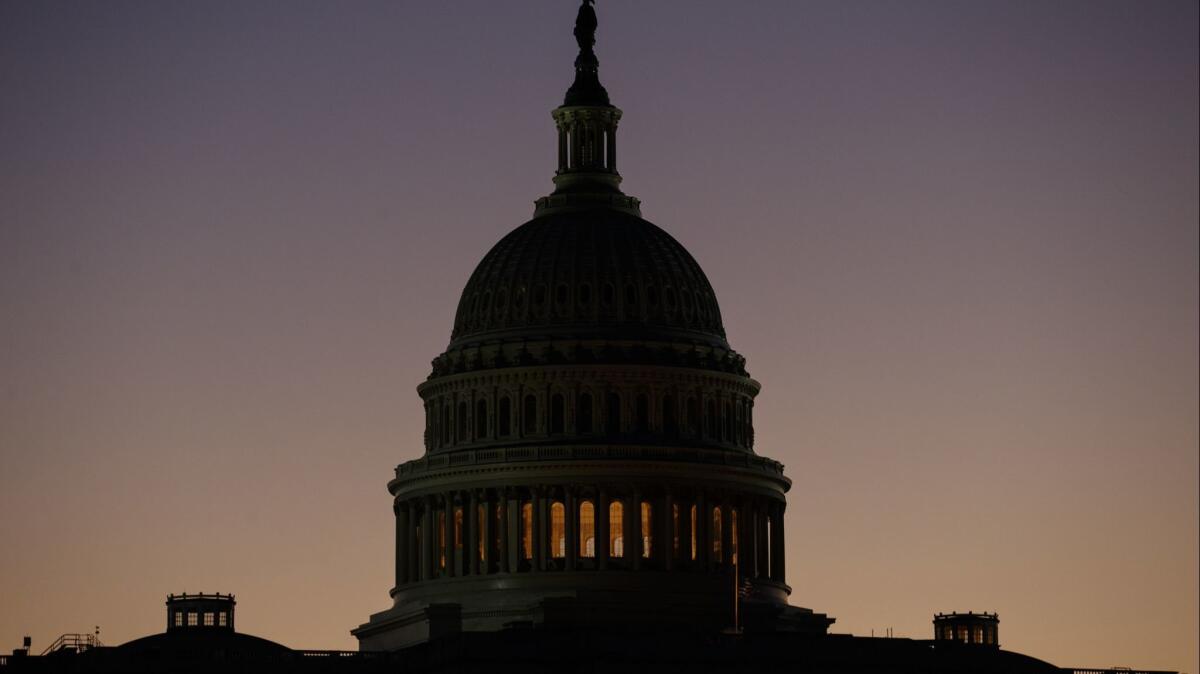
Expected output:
(967, 634)
(591, 532)
(196, 618)
(728, 420)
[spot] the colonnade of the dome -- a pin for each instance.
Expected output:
(590, 405)
(546, 528)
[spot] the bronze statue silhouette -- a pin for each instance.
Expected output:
(585, 26)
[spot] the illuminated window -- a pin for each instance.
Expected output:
(209, 619)
(558, 530)
(587, 529)
(675, 530)
(694, 533)
(458, 528)
(948, 632)
(979, 635)
(481, 513)
(963, 634)
(716, 535)
(616, 528)
(647, 536)
(991, 636)
(733, 530)
(441, 538)
(191, 618)
(179, 618)
(527, 530)
(223, 619)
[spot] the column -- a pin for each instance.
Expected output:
(666, 549)
(780, 568)
(427, 538)
(449, 549)
(539, 529)
(763, 551)
(512, 532)
(636, 526)
(570, 505)
(629, 530)
(685, 533)
(402, 543)
(726, 533)
(487, 530)
(414, 543)
(471, 535)
(601, 510)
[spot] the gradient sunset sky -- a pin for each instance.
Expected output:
(956, 241)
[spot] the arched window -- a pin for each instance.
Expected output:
(527, 530)
(445, 423)
(616, 529)
(716, 536)
(556, 414)
(558, 530)
(613, 417)
(583, 413)
(462, 421)
(481, 420)
(693, 515)
(587, 529)
(727, 426)
(647, 529)
(668, 413)
(530, 420)
(642, 408)
(504, 417)
(693, 417)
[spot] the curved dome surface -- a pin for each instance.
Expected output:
(588, 274)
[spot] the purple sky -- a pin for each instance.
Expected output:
(957, 243)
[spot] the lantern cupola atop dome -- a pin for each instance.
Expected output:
(587, 134)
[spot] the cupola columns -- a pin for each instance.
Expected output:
(587, 122)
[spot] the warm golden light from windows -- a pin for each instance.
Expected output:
(693, 557)
(587, 529)
(527, 530)
(716, 536)
(616, 527)
(647, 528)
(558, 530)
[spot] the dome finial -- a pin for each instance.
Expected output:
(586, 90)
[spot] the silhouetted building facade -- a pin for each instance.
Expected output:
(590, 497)
(589, 444)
